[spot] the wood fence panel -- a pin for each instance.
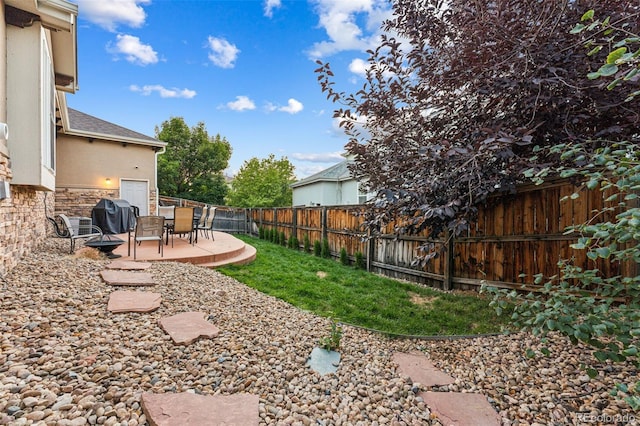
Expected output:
(513, 239)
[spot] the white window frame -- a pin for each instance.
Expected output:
(48, 117)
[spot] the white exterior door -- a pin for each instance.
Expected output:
(136, 192)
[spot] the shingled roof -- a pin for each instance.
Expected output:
(337, 172)
(81, 124)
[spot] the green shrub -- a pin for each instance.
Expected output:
(307, 244)
(332, 341)
(261, 233)
(326, 252)
(293, 242)
(359, 260)
(344, 259)
(282, 239)
(273, 236)
(317, 248)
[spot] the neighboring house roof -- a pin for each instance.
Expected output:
(85, 125)
(336, 173)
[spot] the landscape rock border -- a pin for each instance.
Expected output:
(61, 345)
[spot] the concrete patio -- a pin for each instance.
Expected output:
(223, 249)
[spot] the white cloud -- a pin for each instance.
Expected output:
(293, 107)
(163, 92)
(241, 103)
(110, 13)
(359, 67)
(133, 50)
(223, 53)
(306, 170)
(269, 6)
(270, 107)
(339, 18)
(319, 157)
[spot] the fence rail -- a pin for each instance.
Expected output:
(227, 219)
(514, 238)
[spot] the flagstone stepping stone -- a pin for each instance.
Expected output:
(323, 361)
(133, 301)
(461, 409)
(115, 277)
(129, 265)
(186, 327)
(179, 409)
(421, 370)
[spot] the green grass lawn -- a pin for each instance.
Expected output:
(328, 288)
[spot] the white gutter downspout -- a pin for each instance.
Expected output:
(155, 166)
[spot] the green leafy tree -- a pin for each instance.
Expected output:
(192, 165)
(263, 183)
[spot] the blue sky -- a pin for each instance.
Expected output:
(243, 67)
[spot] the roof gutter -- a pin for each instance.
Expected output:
(107, 137)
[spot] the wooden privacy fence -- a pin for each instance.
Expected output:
(514, 238)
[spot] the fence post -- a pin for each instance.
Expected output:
(323, 221)
(275, 219)
(448, 263)
(294, 224)
(370, 249)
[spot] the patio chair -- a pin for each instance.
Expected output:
(166, 211)
(148, 228)
(136, 213)
(207, 225)
(203, 216)
(77, 228)
(182, 223)
(198, 214)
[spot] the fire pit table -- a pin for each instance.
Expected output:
(106, 244)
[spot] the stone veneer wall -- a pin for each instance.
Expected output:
(80, 202)
(23, 224)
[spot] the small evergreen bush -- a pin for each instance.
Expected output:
(307, 244)
(326, 252)
(344, 259)
(293, 242)
(261, 233)
(359, 260)
(282, 239)
(317, 248)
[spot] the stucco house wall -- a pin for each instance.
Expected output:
(326, 193)
(95, 157)
(22, 210)
(50, 147)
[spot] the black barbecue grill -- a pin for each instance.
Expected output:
(113, 216)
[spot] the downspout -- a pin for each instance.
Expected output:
(155, 166)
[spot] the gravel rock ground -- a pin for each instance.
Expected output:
(64, 360)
